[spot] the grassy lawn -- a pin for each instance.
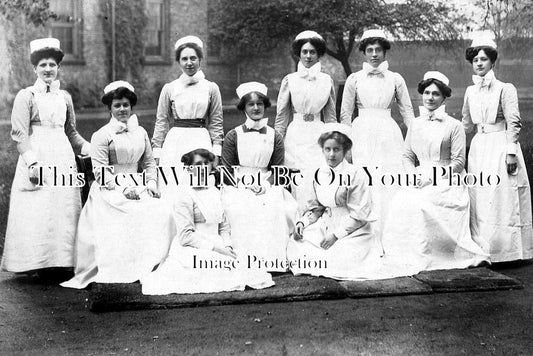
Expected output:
(232, 118)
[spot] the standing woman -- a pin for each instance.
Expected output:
(429, 221)
(124, 231)
(500, 214)
(377, 138)
(43, 218)
(189, 108)
(306, 100)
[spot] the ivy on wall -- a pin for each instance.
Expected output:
(130, 23)
(36, 12)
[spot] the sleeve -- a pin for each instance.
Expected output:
(403, 100)
(215, 126)
(230, 155)
(100, 159)
(224, 230)
(184, 217)
(162, 120)
(457, 148)
(313, 210)
(284, 108)
(348, 100)
(20, 126)
(278, 155)
(78, 143)
(408, 156)
(468, 125)
(511, 113)
(328, 111)
(359, 204)
(147, 160)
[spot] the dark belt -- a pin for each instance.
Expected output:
(189, 123)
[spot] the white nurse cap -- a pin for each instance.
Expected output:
(42, 43)
(373, 34)
(308, 35)
(438, 76)
(118, 84)
(335, 126)
(250, 87)
(189, 39)
(483, 41)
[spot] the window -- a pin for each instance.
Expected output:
(157, 31)
(214, 47)
(67, 27)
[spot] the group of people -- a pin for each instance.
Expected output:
(340, 220)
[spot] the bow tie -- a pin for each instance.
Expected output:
(437, 114)
(189, 80)
(309, 73)
(42, 87)
(484, 81)
(262, 130)
(120, 127)
(379, 71)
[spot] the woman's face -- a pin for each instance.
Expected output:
(333, 152)
(121, 109)
(255, 108)
(189, 61)
(46, 70)
(374, 54)
(481, 63)
(202, 169)
(432, 97)
(308, 55)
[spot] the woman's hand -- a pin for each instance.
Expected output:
(151, 188)
(298, 231)
(421, 182)
(33, 173)
(216, 162)
(257, 189)
(512, 164)
(226, 251)
(131, 194)
(328, 241)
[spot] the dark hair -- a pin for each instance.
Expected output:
(471, 52)
(242, 103)
(54, 53)
(385, 44)
(445, 90)
(188, 158)
(319, 44)
(119, 93)
(199, 51)
(341, 138)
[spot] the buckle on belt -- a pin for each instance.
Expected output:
(482, 128)
(309, 117)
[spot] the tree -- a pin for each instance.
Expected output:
(254, 26)
(36, 12)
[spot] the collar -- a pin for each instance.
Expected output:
(341, 167)
(120, 127)
(309, 73)
(188, 80)
(484, 81)
(437, 114)
(41, 87)
(379, 71)
(259, 126)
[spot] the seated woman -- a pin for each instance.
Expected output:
(335, 238)
(261, 216)
(123, 231)
(428, 226)
(201, 259)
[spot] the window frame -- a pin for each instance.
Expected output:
(164, 57)
(77, 57)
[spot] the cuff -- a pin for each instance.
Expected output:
(511, 148)
(29, 157)
(217, 149)
(304, 220)
(339, 232)
(86, 149)
(156, 152)
(152, 184)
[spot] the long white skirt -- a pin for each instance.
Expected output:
(378, 142)
(353, 257)
(120, 240)
(428, 229)
(261, 224)
(303, 152)
(42, 220)
(500, 215)
(189, 270)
